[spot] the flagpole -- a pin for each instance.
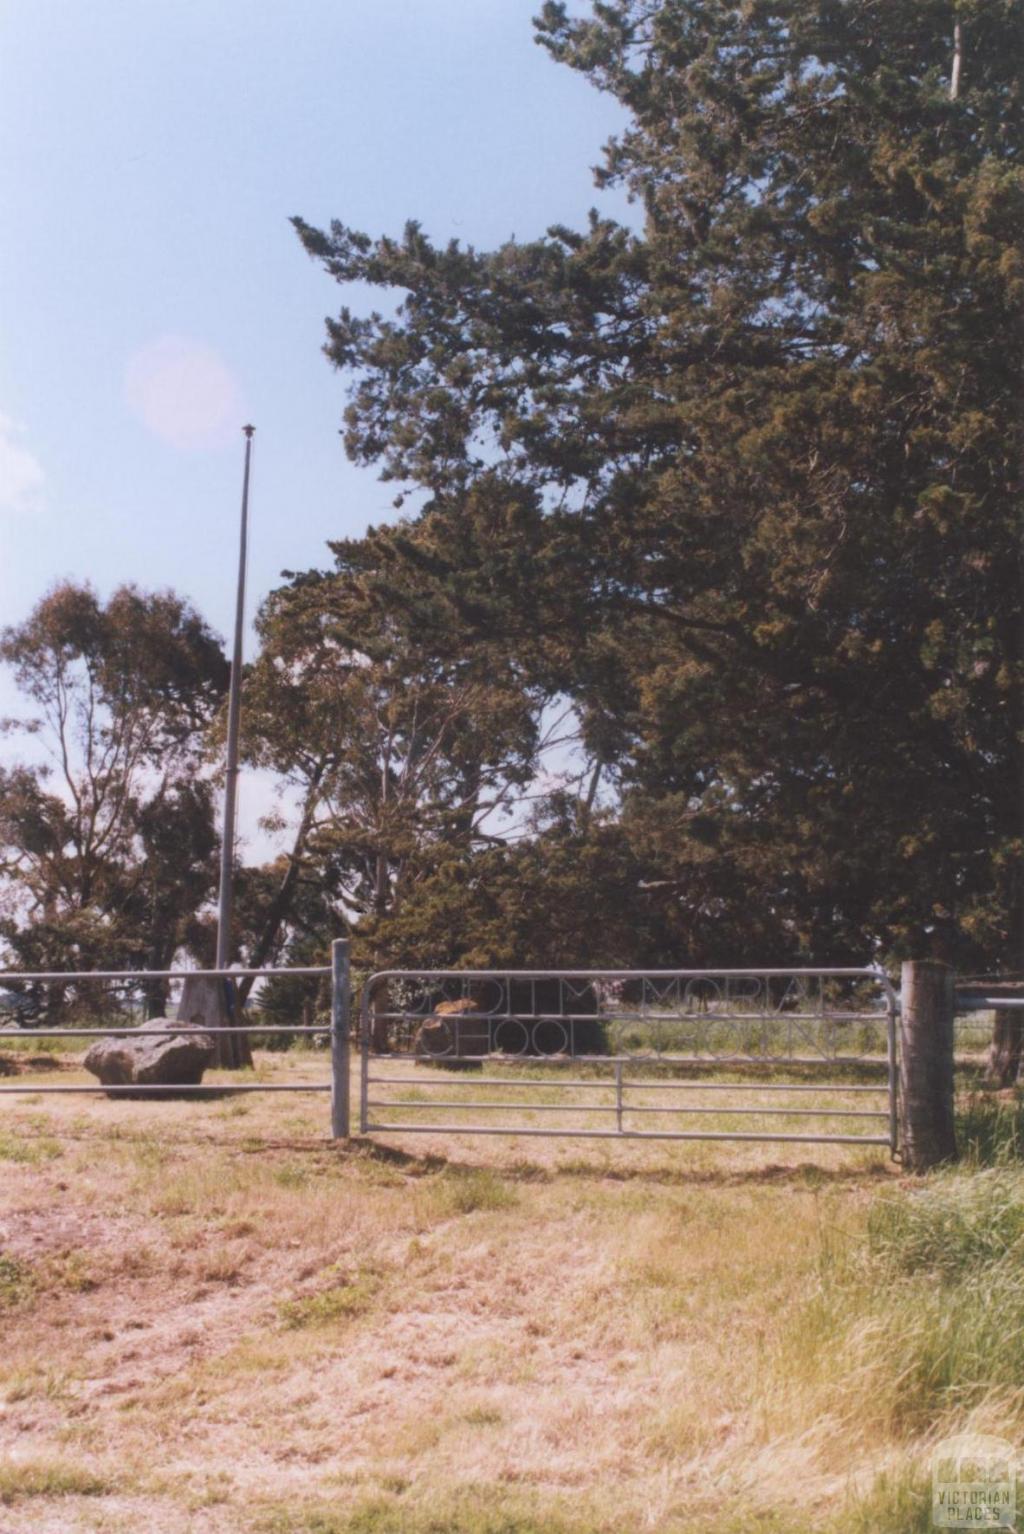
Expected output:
(227, 845)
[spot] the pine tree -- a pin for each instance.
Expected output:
(775, 436)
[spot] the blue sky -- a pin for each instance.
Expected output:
(155, 296)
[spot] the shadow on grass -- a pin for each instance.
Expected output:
(803, 1174)
(26, 1065)
(990, 1128)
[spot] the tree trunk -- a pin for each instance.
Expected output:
(379, 1031)
(280, 906)
(958, 57)
(155, 992)
(210, 1003)
(1005, 1050)
(56, 1003)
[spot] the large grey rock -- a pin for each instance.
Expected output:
(177, 1061)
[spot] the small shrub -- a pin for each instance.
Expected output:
(72, 1272)
(340, 1301)
(292, 1175)
(28, 1151)
(37, 1381)
(465, 1192)
(483, 1416)
(223, 1265)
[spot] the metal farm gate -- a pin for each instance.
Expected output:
(732, 1054)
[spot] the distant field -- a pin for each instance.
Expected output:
(216, 1320)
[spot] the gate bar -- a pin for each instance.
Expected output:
(827, 972)
(376, 1102)
(200, 1089)
(625, 1134)
(706, 1061)
(608, 1086)
(785, 1113)
(157, 974)
(619, 1108)
(138, 1031)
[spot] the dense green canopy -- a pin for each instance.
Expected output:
(768, 451)
(736, 487)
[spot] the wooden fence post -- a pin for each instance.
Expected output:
(927, 1132)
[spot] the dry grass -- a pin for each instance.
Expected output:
(215, 1319)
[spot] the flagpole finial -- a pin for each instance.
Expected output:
(248, 430)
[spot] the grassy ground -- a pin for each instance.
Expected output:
(215, 1319)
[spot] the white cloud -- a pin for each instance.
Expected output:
(21, 476)
(184, 392)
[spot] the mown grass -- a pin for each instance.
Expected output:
(506, 1337)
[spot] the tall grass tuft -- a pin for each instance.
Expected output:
(461, 1191)
(921, 1323)
(952, 1225)
(20, 1479)
(17, 1284)
(898, 1503)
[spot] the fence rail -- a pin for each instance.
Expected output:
(338, 1086)
(813, 1025)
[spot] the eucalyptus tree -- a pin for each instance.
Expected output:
(394, 735)
(107, 845)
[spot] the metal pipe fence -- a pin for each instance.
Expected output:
(137, 981)
(627, 1027)
(593, 1053)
